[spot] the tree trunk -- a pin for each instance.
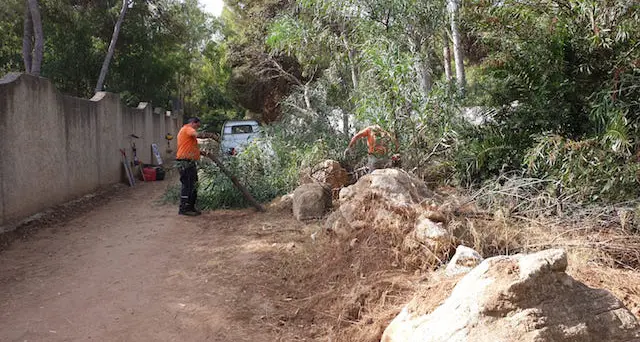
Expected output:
(112, 47)
(307, 100)
(424, 70)
(38, 50)
(27, 37)
(345, 123)
(417, 46)
(352, 63)
(457, 46)
(351, 55)
(447, 59)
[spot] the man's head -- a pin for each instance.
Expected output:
(194, 122)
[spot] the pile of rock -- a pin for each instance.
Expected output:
(393, 198)
(519, 298)
(313, 198)
(329, 172)
(503, 298)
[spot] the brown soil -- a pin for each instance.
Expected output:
(57, 215)
(127, 268)
(133, 270)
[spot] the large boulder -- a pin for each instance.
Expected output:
(310, 201)
(400, 209)
(375, 194)
(395, 185)
(283, 203)
(328, 172)
(394, 201)
(518, 298)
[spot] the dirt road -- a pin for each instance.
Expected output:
(133, 270)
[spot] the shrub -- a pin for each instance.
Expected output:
(267, 168)
(590, 167)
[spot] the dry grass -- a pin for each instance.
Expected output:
(353, 287)
(523, 215)
(432, 293)
(515, 217)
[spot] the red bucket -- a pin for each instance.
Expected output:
(149, 173)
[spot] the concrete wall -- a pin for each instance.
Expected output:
(55, 148)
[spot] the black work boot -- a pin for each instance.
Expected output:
(189, 212)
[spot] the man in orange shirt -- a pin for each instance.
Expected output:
(378, 141)
(187, 155)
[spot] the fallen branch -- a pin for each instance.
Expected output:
(235, 181)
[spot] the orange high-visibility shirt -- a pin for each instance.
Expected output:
(374, 144)
(188, 144)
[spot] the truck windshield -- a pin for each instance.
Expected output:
(241, 129)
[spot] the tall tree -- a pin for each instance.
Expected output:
(112, 46)
(27, 37)
(159, 40)
(458, 54)
(32, 32)
(446, 52)
(251, 85)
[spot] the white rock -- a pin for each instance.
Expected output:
(430, 232)
(463, 261)
(527, 298)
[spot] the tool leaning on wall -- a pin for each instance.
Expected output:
(134, 152)
(136, 161)
(127, 168)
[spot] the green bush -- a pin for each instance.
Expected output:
(268, 168)
(589, 167)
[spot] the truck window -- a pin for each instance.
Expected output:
(241, 129)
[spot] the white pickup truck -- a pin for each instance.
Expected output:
(236, 134)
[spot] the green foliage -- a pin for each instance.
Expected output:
(564, 71)
(255, 83)
(208, 96)
(11, 42)
(307, 43)
(589, 167)
(268, 168)
(158, 56)
(563, 68)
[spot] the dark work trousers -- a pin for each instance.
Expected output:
(189, 180)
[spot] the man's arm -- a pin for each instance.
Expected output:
(190, 131)
(207, 135)
(363, 133)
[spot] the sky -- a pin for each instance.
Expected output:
(212, 6)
